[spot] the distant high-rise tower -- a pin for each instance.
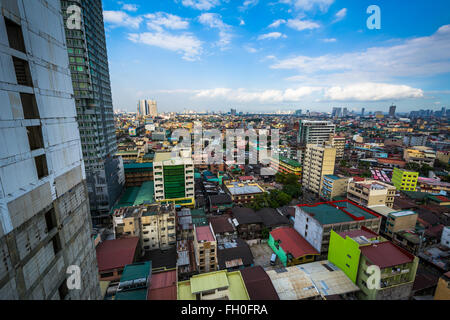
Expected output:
(336, 113)
(392, 111)
(147, 108)
(45, 225)
(233, 112)
(363, 110)
(317, 132)
(92, 89)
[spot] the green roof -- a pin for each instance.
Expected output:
(290, 162)
(127, 199)
(209, 281)
(329, 214)
(136, 271)
(416, 195)
(145, 194)
(133, 166)
(199, 217)
(132, 272)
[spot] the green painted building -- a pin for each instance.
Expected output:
(355, 250)
(405, 180)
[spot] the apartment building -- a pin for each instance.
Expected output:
(315, 222)
(315, 132)
(338, 142)
(174, 179)
(218, 285)
(443, 288)
(318, 162)
(154, 224)
(205, 249)
(45, 223)
(399, 221)
(333, 187)
(286, 166)
(404, 179)
(158, 227)
(368, 193)
(147, 108)
(431, 185)
(243, 193)
(88, 58)
(354, 251)
(420, 155)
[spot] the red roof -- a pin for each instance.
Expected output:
(112, 254)
(163, 286)
(245, 178)
(204, 234)
(293, 242)
(386, 254)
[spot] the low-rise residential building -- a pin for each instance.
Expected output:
(218, 285)
(405, 180)
(248, 224)
(205, 249)
(220, 203)
(399, 221)
(443, 156)
(443, 288)
(420, 155)
(234, 255)
(290, 247)
(431, 185)
(369, 192)
(333, 187)
(315, 222)
(354, 251)
(154, 224)
(243, 193)
(137, 173)
(286, 166)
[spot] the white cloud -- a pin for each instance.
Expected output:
(130, 7)
(250, 49)
(276, 23)
(301, 25)
(424, 56)
(214, 21)
(241, 22)
(261, 96)
(329, 40)
(247, 4)
(186, 43)
(272, 35)
(372, 92)
(308, 5)
(341, 14)
(201, 4)
(157, 21)
(121, 19)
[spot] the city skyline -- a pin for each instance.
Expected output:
(282, 55)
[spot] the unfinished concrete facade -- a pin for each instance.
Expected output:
(44, 208)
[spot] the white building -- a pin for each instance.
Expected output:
(147, 108)
(45, 224)
(315, 132)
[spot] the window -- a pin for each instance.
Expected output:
(106, 274)
(29, 106)
(63, 290)
(23, 75)
(41, 166)
(35, 137)
(15, 35)
(56, 244)
(50, 219)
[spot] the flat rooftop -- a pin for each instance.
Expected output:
(291, 283)
(204, 234)
(240, 188)
(118, 253)
(403, 213)
(337, 212)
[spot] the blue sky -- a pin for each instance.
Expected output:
(213, 55)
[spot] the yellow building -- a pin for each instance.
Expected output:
(219, 285)
(286, 166)
(370, 193)
(338, 143)
(318, 162)
(420, 155)
(405, 180)
(333, 186)
(443, 288)
(205, 249)
(399, 221)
